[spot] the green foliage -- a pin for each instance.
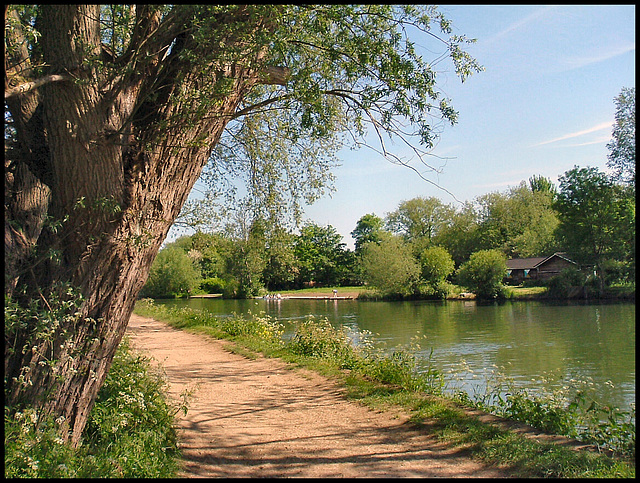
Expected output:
(520, 222)
(622, 148)
(400, 368)
(460, 235)
(322, 256)
(172, 274)
(320, 339)
(483, 273)
(419, 218)
(213, 285)
(390, 266)
(523, 221)
(131, 417)
(281, 268)
(540, 184)
(597, 218)
(247, 262)
(256, 325)
(436, 265)
(569, 409)
(560, 286)
(33, 447)
(283, 140)
(39, 330)
(130, 433)
(368, 229)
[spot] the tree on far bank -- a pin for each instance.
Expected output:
(419, 219)
(436, 265)
(483, 273)
(460, 236)
(172, 274)
(320, 255)
(597, 219)
(520, 221)
(281, 270)
(390, 266)
(369, 228)
(622, 148)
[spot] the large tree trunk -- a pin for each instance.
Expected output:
(95, 158)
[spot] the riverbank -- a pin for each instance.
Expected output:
(388, 383)
(625, 294)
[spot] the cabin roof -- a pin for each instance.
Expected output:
(533, 262)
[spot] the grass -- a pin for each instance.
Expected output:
(383, 381)
(527, 292)
(325, 290)
(130, 433)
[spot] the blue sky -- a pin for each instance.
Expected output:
(544, 104)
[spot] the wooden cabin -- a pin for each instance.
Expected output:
(537, 268)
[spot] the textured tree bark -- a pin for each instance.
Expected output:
(96, 157)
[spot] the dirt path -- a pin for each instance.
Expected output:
(258, 418)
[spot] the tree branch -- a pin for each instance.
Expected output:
(275, 75)
(29, 86)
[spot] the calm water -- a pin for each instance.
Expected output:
(528, 341)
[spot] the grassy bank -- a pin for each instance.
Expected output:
(622, 293)
(130, 433)
(381, 380)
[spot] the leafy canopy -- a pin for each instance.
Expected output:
(622, 155)
(353, 72)
(597, 216)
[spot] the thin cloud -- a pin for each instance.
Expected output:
(518, 24)
(615, 51)
(599, 127)
(600, 140)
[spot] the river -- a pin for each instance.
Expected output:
(535, 344)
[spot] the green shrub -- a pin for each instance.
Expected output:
(436, 265)
(437, 291)
(212, 285)
(561, 285)
(390, 266)
(483, 273)
(172, 274)
(318, 338)
(132, 422)
(130, 433)
(569, 409)
(260, 325)
(34, 448)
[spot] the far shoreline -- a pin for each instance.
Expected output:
(517, 294)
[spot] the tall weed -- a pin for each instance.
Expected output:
(568, 409)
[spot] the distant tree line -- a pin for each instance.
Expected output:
(421, 248)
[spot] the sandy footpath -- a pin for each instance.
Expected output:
(259, 418)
